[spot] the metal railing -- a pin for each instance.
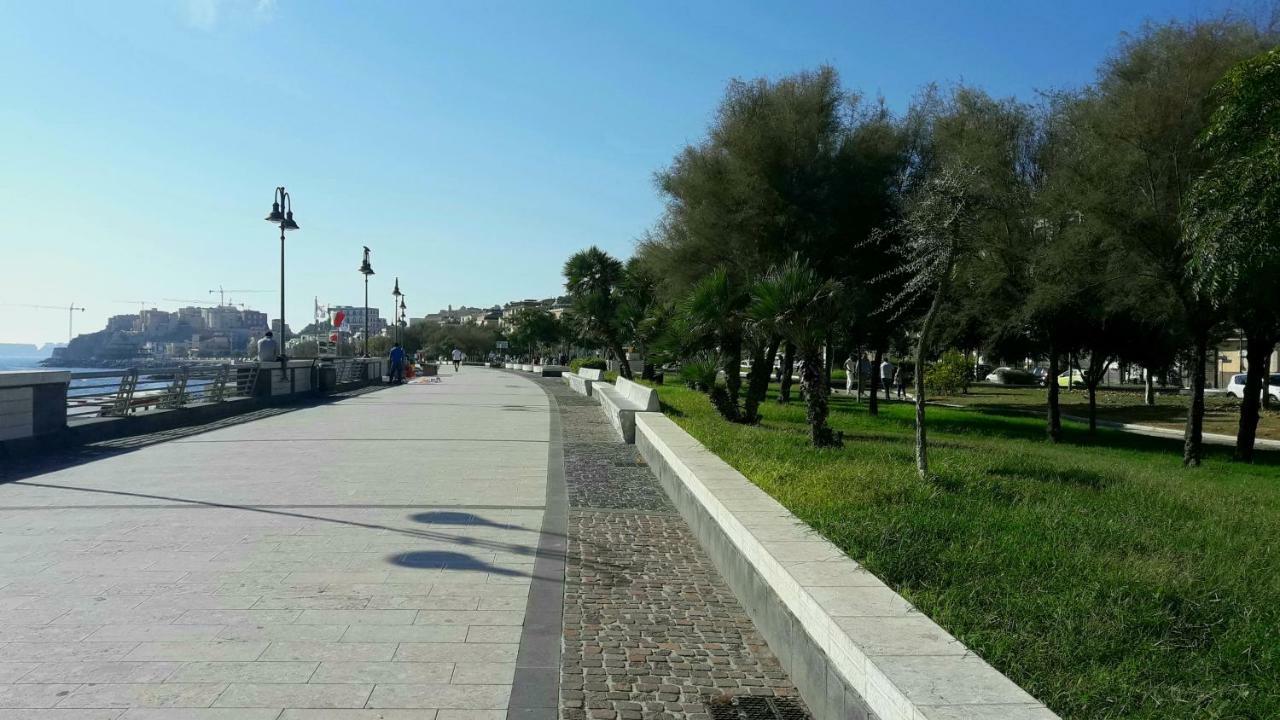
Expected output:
(116, 393)
(349, 370)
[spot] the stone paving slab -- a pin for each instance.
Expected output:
(367, 558)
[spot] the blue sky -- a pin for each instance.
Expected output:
(472, 145)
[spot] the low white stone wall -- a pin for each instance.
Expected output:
(21, 397)
(853, 646)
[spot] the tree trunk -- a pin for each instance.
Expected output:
(857, 368)
(732, 364)
(873, 408)
(1193, 435)
(1149, 391)
(1254, 387)
(1054, 427)
(758, 381)
(922, 346)
(1093, 409)
(813, 380)
(788, 367)
(1092, 380)
(624, 367)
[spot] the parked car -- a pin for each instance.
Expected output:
(1071, 378)
(1011, 376)
(1235, 388)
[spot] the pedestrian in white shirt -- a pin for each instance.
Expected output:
(267, 350)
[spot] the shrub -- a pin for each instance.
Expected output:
(699, 374)
(949, 375)
(590, 363)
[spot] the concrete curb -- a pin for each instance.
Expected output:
(535, 691)
(854, 647)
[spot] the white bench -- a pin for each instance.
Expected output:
(620, 403)
(582, 380)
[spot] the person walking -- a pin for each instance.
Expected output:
(267, 350)
(900, 382)
(850, 374)
(886, 376)
(457, 359)
(396, 356)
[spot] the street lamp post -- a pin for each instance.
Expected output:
(404, 319)
(282, 202)
(395, 307)
(366, 269)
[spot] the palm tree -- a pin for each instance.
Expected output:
(714, 316)
(592, 277)
(798, 305)
(641, 317)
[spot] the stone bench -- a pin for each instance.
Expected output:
(550, 370)
(581, 381)
(621, 401)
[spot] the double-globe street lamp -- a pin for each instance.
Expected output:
(404, 318)
(282, 202)
(395, 307)
(366, 269)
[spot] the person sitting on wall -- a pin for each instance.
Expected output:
(267, 349)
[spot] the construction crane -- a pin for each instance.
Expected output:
(142, 304)
(71, 313)
(222, 293)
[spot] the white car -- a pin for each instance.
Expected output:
(1236, 386)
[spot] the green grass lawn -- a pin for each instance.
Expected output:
(1222, 413)
(1101, 576)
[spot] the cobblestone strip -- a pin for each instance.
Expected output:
(651, 631)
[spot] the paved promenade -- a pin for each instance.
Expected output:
(481, 547)
(365, 558)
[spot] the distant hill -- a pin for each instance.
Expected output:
(23, 350)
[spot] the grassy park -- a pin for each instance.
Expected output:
(1222, 412)
(1100, 575)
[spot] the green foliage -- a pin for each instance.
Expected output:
(795, 303)
(949, 375)
(699, 373)
(437, 340)
(378, 345)
(593, 279)
(1234, 207)
(591, 363)
(534, 331)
